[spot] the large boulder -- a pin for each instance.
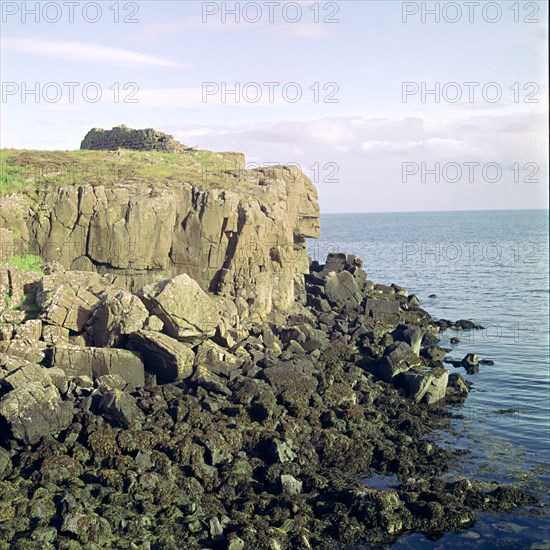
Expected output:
(68, 307)
(95, 362)
(29, 350)
(341, 288)
(188, 313)
(25, 376)
(410, 334)
(169, 359)
(379, 308)
(35, 411)
(398, 358)
(114, 317)
(121, 409)
(428, 385)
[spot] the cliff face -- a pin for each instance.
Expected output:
(244, 241)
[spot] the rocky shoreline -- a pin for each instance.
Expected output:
(163, 418)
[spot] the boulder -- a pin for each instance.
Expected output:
(35, 411)
(376, 308)
(50, 283)
(96, 362)
(434, 353)
(26, 375)
(188, 313)
(209, 381)
(216, 359)
(427, 385)
(68, 307)
(114, 317)
(169, 359)
(398, 358)
(121, 409)
(290, 485)
(54, 335)
(29, 350)
(29, 330)
(341, 288)
(410, 334)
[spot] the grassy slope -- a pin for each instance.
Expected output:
(26, 171)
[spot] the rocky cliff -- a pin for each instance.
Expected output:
(237, 232)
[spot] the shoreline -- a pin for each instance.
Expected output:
(269, 453)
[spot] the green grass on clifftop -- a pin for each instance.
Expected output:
(29, 171)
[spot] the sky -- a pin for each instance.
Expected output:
(388, 106)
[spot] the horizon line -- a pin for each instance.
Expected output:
(438, 211)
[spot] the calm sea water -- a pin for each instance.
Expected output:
(491, 267)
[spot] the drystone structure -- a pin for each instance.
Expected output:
(122, 137)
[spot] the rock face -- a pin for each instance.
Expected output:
(243, 239)
(122, 137)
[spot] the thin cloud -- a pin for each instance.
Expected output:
(86, 52)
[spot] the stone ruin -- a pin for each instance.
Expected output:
(122, 137)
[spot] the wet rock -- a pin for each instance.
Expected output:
(187, 312)
(169, 359)
(409, 334)
(428, 385)
(35, 411)
(96, 362)
(434, 353)
(466, 324)
(470, 363)
(398, 358)
(432, 296)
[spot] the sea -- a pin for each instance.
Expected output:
(491, 267)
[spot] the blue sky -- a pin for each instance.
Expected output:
(356, 143)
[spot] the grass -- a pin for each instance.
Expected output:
(28, 262)
(35, 172)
